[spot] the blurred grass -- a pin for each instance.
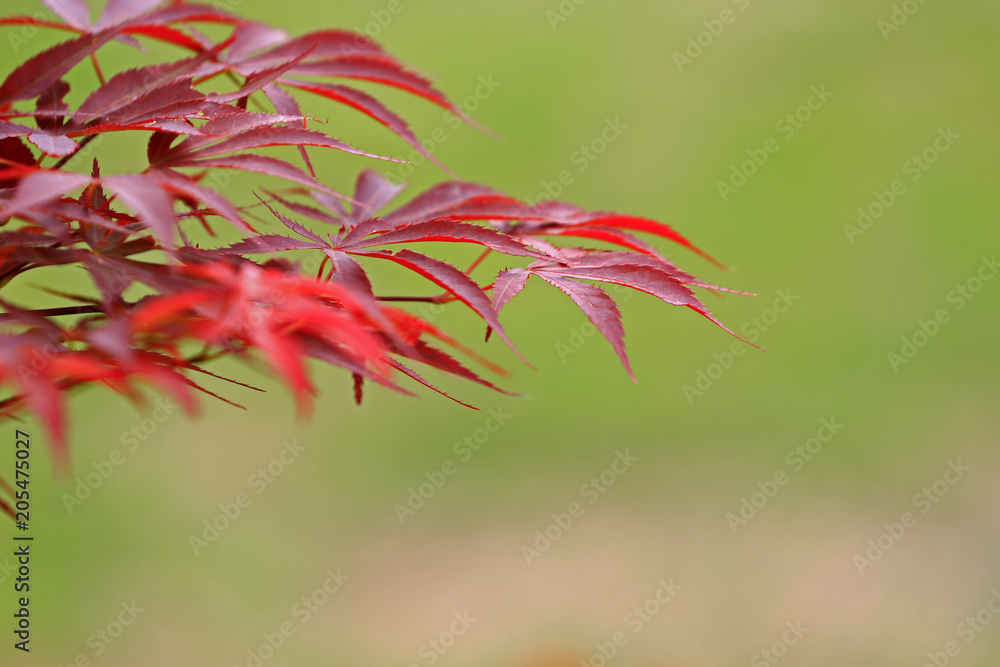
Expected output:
(666, 517)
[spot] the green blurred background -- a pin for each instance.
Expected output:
(555, 85)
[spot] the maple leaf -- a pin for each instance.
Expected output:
(232, 105)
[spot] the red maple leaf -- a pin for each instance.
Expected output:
(212, 112)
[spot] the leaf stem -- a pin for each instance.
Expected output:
(97, 68)
(478, 260)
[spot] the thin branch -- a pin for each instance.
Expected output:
(64, 159)
(55, 312)
(443, 298)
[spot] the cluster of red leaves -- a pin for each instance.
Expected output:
(132, 230)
